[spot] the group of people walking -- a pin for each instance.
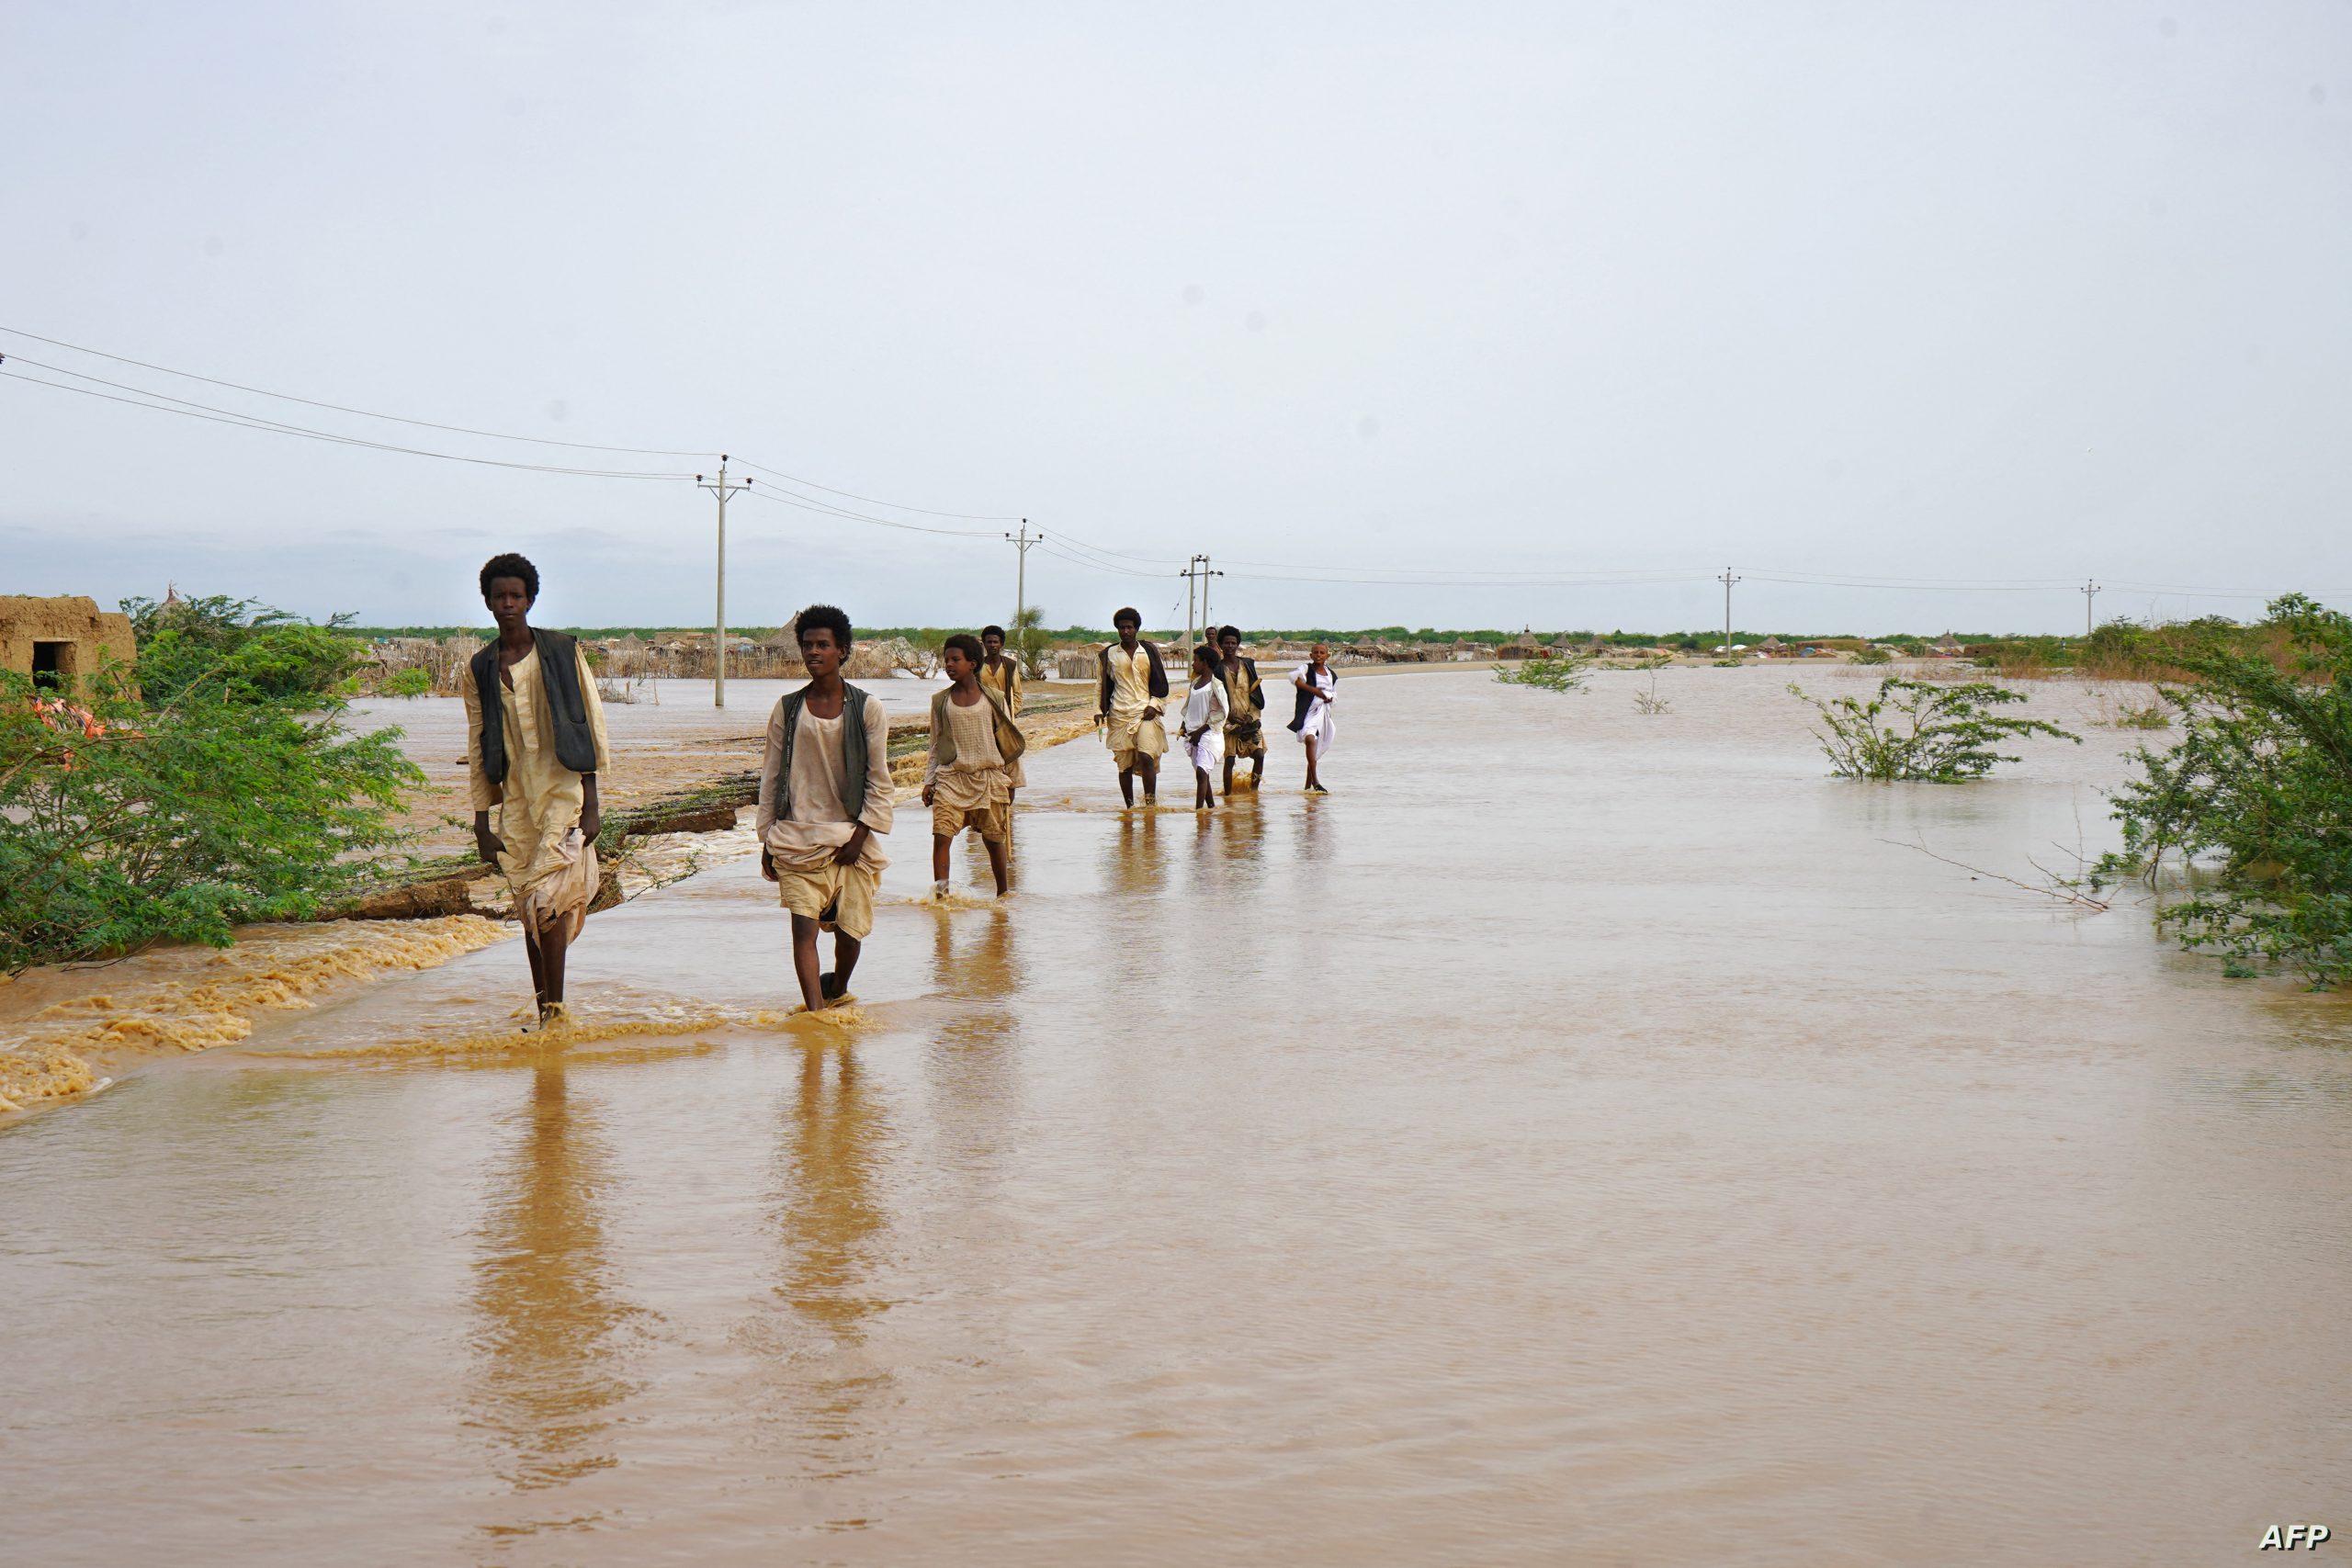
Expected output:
(535, 743)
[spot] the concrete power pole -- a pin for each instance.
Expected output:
(722, 488)
(1727, 580)
(2090, 597)
(1208, 623)
(1022, 541)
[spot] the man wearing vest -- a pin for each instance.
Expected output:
(1245, 706)
(1133, 684)
(824, 799)
(975, 746)
(535, 743)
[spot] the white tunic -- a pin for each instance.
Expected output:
(1317, 725)
(1205, 705)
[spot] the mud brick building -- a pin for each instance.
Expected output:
(59, 641)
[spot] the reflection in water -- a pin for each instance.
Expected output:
(1134, 859)
(971, 1065)
(550, 1321)
(833, 1227)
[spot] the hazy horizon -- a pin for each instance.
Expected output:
(2006, 297)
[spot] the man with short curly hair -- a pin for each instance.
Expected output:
(1132, 685)
(825, 795)
(535, 743)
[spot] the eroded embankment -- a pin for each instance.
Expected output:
(65, 1031)
(62, 1031)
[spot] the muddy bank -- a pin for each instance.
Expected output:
(68, 1032)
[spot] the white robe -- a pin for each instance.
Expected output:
(1317, 727)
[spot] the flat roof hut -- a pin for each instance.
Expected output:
(61, 642)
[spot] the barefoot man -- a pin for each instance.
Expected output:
(535, 743)
(1001, 672)
(824, 799)
(975, 745)
(1318, 685)
(1245, 707)
(1133, 686)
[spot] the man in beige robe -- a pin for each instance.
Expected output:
(533, 718)
(1133, 685)
(825, 800)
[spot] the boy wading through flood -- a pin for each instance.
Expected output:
(1204, 729)
(535, 743)
(1001, 673)
(1245, 706)
(825, 798)
(1133, 686)
(974, 747)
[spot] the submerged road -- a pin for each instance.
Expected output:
(1578, 1139)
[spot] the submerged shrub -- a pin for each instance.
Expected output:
(1944, 734)
(2258, 789)
(1551, 674)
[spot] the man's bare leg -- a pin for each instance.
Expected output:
(1311, 781)
(996, 848)
(1149, 767)
(804, 962)
(1127, 784)
(538, 975)
(552, 948)
(846, 949)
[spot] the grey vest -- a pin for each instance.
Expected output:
(1010, 741)
(575, 741)
(854, 752)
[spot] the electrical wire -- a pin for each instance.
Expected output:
(825, 508)
(341, 408)
(871, 500)
(223, 416)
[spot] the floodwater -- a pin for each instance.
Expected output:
(1580, 1139)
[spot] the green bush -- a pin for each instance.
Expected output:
(1550, 674)
(220, 788)
(2259, 788)
(1868, 654)
(1940, 734)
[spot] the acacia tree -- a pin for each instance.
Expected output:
(225, 791)
(2255, 798)
(1918, 729)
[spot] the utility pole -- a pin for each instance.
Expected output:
(722, 488)
(1209, 624)
(2090, 597)
(1727, 580)
(1196, 575)
(1022, 541)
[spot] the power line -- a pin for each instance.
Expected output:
(341, 408)
(246, 422)
(827, 509)
(871, 500)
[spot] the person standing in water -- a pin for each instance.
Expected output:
(1002, 674)
(1204, 727)
(974, 746)
(825, 798)
(535, 743)
(1317, 684)
(1134, 684)
(1245, 706)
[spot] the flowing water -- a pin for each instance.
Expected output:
(1580, 1139)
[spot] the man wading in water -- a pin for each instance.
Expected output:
(824, 796)
(1134, 684)
(1317, 687)
(975, 745)
(1004, 675)
(535, 743)
(1245, 706)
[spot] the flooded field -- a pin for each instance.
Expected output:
(1582, 1138)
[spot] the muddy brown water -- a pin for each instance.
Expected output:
(1579, 1139)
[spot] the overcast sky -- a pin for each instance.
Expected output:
(1983, 292)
